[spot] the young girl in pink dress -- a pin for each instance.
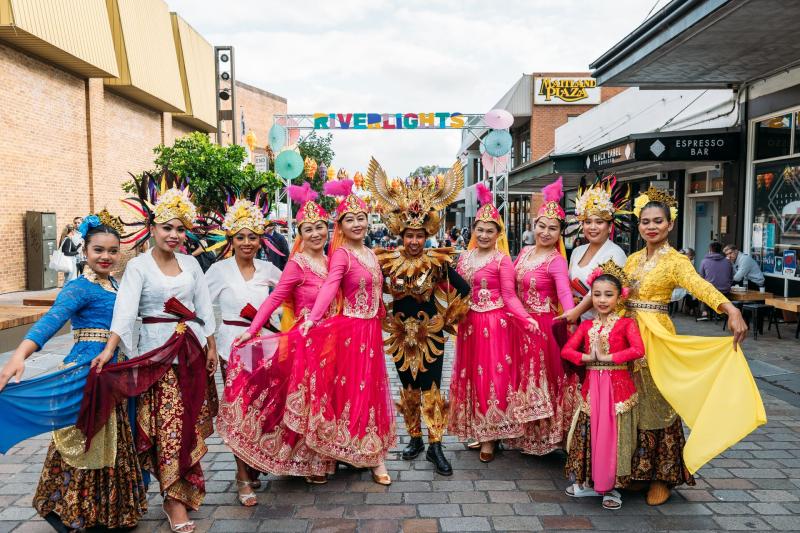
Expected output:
(257, 416)
(603, 440)
(542, 286)
(350, 410)
(495, 388)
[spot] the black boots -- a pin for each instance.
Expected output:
(414, 448)
(440, 462)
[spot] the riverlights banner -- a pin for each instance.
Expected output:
(388, 121)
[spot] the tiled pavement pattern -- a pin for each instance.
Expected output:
(754, 486)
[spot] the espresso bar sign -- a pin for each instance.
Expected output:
(703, 147)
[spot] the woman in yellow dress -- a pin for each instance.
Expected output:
(702, 381)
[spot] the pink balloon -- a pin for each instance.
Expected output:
(498, 119)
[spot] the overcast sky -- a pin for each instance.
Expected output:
(344, 56)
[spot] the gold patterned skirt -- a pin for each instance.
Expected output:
(578, 467)
(109, 497)
(659, 456)
(158, 440)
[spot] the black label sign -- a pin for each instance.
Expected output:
(705, 147)
(613, 155)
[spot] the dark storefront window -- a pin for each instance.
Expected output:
(775, 238)
(773, 137)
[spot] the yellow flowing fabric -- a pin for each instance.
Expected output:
(702, 378)
(707, 383)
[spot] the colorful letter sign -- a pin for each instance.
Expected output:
(388, 121)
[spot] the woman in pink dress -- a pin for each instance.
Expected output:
(495, 388)
(350, 411)
(255, 418)
(542, 285)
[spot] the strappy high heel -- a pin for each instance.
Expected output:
(246, 499)
(183, 527)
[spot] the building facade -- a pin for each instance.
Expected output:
(88, 90)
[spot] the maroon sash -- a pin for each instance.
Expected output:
(115, 383)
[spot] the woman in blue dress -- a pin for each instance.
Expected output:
(102, 487)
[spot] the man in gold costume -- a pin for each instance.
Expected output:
(429, 298)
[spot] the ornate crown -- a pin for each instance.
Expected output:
(107, 219)
(414, 202)
(175, 203)
(243, 214)
(612, 269)
(654, 194)
(595, 200)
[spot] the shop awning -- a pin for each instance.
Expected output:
(705, 43)
(535, 175)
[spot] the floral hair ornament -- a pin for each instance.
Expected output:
(350, 202)
(158, 199)
(654, 194)
(246, 210)
(611, 268)
(310, 212)
(103, 218)
(552, 195)
(607, 199)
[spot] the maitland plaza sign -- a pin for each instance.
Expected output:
(389, 121)
(565, 91)
(699, 147)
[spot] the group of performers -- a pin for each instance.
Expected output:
(613, 392)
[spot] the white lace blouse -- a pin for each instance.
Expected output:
(230, 290)
(142, 293)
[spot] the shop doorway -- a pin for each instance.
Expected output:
(706, 226)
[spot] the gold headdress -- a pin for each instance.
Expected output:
(414, 202)
(656, 195)
(107, 219)
(243, 214)
(613, 269)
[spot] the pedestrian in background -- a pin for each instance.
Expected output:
(77, 238)
(717, 270)
(744, 267)
(70, 250)
(282, 245)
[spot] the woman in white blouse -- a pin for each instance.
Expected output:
(595, 208)
(150, 281)
(239, 285)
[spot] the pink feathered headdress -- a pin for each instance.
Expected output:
(487, 212)
(351, 203)
(309, 211)
(552, 194)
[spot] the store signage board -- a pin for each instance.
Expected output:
(613, 155)
(389, 121)
(703, 147)
(565, 91)
(261, 163)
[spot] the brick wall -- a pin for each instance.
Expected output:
(43, 157)
(259, 107)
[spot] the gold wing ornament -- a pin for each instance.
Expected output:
(453, 183)
(378, 185)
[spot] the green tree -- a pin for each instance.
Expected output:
(209, 167)
(319, 149)
(427, 171)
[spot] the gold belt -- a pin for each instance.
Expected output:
(655, 307)
(91, 335)
(605, 366)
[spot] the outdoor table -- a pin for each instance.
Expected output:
(786, 304)
(749, 296)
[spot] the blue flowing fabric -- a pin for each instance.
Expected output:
(52, 401)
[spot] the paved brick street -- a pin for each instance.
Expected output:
(754, 486)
